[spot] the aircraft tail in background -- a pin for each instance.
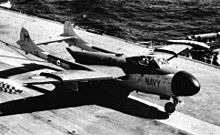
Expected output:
(68, 30)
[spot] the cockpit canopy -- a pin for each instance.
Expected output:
(152, 61)
(147, 64)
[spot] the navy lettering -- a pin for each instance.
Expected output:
(152, 82)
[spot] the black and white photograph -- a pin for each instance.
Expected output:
(109, 67)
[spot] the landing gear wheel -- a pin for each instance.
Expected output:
(170, 107)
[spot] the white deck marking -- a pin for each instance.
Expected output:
(185, 122)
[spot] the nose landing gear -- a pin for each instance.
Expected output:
(171, 107)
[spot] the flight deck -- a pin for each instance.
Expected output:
(57, 112)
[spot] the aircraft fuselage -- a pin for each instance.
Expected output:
(144, 76)
(153, 84)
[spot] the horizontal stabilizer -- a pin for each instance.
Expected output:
(56, 40)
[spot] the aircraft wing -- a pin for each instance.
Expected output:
(177, 46)
(115, 72)
(44, 77)
(19, 75)
(66, 76)
(170, 51)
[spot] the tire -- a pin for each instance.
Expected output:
(169, 107)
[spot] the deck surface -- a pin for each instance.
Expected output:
(91, 118)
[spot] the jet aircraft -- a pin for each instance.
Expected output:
(146, 73)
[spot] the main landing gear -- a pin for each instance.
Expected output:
(170, 107)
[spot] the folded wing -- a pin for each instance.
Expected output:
(170, 51)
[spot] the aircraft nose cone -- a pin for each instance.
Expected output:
(185, 84)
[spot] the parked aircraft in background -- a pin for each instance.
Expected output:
(205, 38)
(195, 44)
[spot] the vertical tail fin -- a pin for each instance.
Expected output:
(26, 43)
(78, 42)
(68, 30)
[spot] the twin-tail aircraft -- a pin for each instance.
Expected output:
(149, 74)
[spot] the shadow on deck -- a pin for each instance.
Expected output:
(60, 98)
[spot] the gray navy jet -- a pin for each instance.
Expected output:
(150, 74)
